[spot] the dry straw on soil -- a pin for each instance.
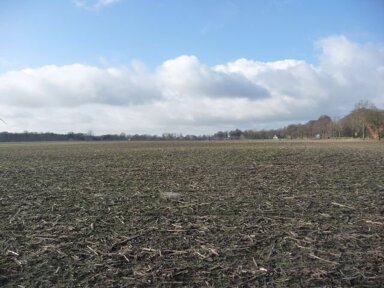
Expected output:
(223, 214)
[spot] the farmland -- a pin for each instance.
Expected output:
(201, 214)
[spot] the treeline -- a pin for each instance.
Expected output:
(48, 136)
(365, 121)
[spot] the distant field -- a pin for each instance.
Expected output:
(201, 214)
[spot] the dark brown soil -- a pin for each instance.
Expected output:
(192, 214)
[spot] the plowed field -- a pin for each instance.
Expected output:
(192, 214)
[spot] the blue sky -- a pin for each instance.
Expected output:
(59, 32)
(144, 40)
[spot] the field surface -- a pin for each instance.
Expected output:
(192, 214)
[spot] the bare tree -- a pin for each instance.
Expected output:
(358, 120)
(376, 121)
(337, 127)
(323, 126)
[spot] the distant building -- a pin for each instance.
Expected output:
(275, 137)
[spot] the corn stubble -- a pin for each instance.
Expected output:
(192, 214)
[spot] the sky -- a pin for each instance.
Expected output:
(186, 66)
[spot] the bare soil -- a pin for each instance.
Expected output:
(192, 214)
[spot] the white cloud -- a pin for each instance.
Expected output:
(74, 85)
(184, 95)
(186, 76)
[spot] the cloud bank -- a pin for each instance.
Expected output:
(186, 96)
